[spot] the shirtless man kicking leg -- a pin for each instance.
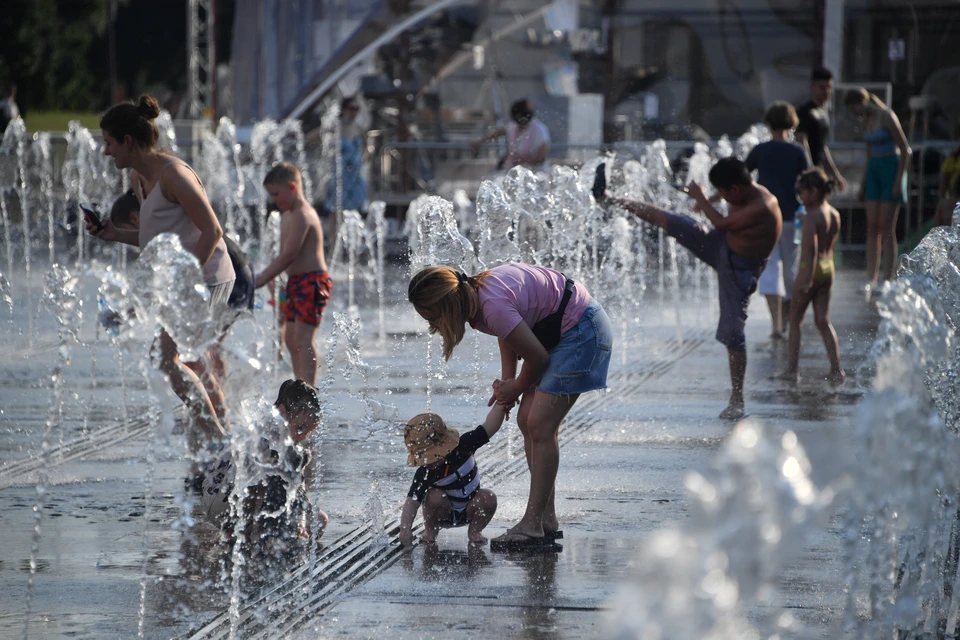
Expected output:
(737, 247)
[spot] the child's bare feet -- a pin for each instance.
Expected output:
(734, 411)
(476, 537)
(836, 377)
(788, 376)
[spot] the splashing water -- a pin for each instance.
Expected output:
(750, 513)
(376, 518)
(168, 285)
(62, 301)
(439, 242)
(5, 292)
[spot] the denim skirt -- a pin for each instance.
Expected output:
(579, 363)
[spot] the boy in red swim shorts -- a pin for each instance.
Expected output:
(301, 255)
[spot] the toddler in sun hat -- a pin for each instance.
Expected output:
(447, 484)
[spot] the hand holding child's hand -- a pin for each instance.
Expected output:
(507, 392)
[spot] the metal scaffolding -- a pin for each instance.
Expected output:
(201, 54)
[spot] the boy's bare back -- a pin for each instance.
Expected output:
(300, 227)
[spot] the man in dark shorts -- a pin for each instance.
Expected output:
(814, 127)
(737, 246)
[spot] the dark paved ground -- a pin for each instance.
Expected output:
(624, 458)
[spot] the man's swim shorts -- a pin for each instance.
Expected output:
(737, 276)
(307, 296)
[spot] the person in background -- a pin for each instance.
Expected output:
(172, 200)
(528, 139)
(8, 107)
(737, 247)
(353, 153)
(779, 162)
(821, 228)
(883, 187)
(949, 191)
(301, 256)
(813, 126)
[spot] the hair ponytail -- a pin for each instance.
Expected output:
(134, 120)
(148, 108)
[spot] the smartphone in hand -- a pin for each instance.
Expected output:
(92, 215)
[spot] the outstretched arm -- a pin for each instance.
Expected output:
(493, 134)
(893, 123)
(535, 359)
(494, 419)
(181, 186)
(832, 168)
(293, 230)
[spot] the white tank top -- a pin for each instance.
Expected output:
(159, 215)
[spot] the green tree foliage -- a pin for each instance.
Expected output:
(44, 47)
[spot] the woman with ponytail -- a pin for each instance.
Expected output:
(564, 338)
(883, 186)
(172, 200)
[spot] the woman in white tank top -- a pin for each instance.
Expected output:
(172, 200)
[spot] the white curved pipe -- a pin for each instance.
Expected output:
(385, 37)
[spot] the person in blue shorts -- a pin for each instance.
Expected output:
(738, 247)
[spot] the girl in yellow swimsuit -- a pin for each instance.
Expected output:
(821, 228)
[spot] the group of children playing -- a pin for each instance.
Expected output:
(447, 483)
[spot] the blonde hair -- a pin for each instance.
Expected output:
(816, 179)
(858, 96)
(449, 294)
(282, 174)
(781, 116)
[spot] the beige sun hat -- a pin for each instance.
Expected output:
(428, 439)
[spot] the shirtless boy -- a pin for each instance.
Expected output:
(301, 256)
(821, 228)
(738, 247)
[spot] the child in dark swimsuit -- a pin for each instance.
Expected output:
(447, 483)
(821, 228)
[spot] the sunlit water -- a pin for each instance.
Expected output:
(751, 510)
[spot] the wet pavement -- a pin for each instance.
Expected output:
(624, 458)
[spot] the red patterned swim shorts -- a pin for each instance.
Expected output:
(307, 296)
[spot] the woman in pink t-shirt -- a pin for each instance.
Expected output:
(564, 338)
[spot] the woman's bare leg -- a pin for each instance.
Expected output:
(874, 237)
(888, 232)
(543, 420)
(550, 522)
(189, 389)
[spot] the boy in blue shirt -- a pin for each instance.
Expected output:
(779, 162)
